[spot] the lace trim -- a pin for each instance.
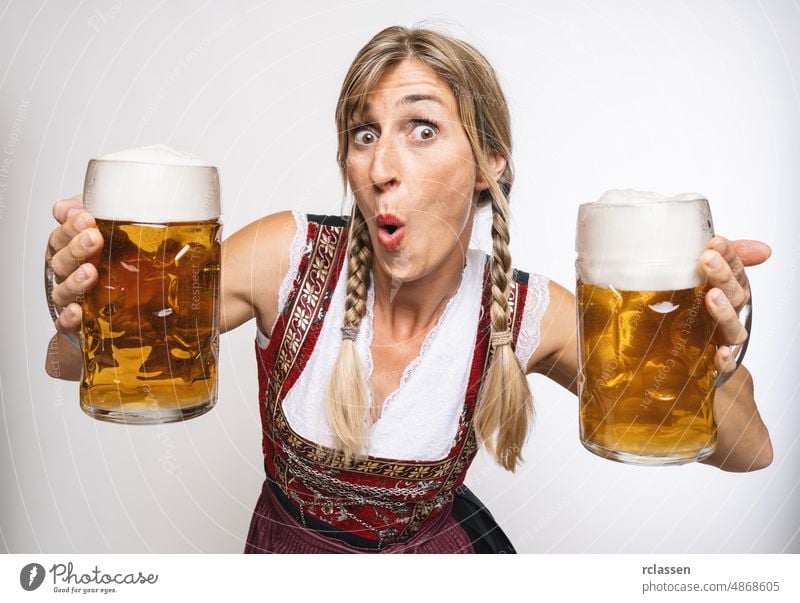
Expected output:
(300, 247)
(408, 372)
(536, 302)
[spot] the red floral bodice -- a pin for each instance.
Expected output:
(379, 499)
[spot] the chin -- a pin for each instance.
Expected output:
(399, 266)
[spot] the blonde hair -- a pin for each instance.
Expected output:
(505, 405)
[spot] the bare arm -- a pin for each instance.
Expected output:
(557, 354)
(743, 443)
(254, 261)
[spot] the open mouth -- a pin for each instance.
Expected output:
(391, 230)
(390, 238)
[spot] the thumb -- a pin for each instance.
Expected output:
(751, 252)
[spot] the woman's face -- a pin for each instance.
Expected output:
(409, 163)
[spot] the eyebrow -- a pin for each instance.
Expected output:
(408, 99)
(416, 98)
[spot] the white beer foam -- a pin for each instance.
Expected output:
(152, 184)
(653, 242)
(617, 196)
(157, 153)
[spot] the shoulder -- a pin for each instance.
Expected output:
(268, 240)
(548, 328)
(558, 320)
(278, 243)
(255, 259)
(260, 260)
(269, 237)
(557, 354)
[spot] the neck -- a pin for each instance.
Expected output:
(409, 309)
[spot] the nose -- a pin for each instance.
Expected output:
(384, 169)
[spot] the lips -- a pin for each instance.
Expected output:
(391, 230)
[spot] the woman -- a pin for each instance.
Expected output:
(387, 350)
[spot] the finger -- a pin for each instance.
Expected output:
(752, 253)
(69, 320)
(81, 247)
(727, 250)
(65, 208)
(724, 360)
(76, 223)
(719, 274)
(75, 287)
(728, 330)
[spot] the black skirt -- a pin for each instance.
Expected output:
(477, 521)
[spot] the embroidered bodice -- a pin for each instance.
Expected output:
(408, 409)
(424, 442)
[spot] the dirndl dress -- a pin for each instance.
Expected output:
(311, 501)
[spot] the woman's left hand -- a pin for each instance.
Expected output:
(723, 264)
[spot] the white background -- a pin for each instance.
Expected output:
(679, 96)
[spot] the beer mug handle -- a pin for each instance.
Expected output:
(49, 284)
(739, 350)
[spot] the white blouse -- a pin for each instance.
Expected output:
(419, 420)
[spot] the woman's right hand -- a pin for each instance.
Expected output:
(74, 241)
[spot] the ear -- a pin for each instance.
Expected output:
(498, 165)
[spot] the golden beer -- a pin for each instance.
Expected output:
(648, 373)
(646, 357)
(150, 333)
(150, 327)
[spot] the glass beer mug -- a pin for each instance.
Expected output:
(150, 332)
(647, 376)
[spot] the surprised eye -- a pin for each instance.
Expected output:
(364, 136)
(424, 132)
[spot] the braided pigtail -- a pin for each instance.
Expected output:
(348, 403)
(505, 403)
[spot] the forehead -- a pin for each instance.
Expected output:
(408, 83)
